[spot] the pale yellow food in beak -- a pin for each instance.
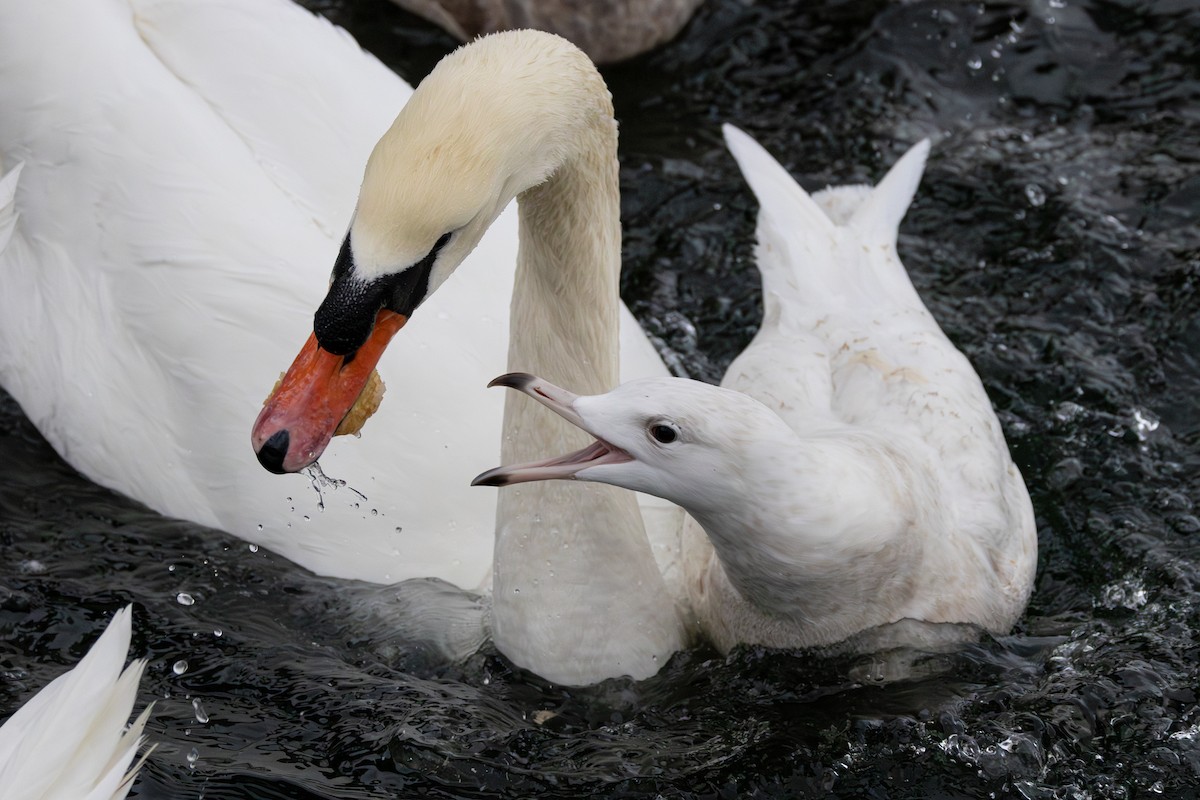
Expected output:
(363, 409)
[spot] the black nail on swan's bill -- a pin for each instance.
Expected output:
(273, 451)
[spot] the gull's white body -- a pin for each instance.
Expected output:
(897, 498)
(175, 180)
(70, 741)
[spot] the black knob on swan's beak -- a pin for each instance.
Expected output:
(273, 451)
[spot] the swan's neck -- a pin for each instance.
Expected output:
(577, 595)
(827, 543)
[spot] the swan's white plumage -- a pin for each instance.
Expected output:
(70, 740)
(183, 174)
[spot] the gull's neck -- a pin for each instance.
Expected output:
(577, 594)
(824, 542)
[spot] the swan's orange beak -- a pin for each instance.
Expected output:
(302, 415)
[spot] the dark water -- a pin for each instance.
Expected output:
(1055, 238)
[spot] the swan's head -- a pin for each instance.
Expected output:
(494, 118)
(692, 443)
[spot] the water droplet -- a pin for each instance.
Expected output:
(201, 714)
(253, 548)
(170, 568)
(179, 667)
(1035, 194)
(260, 526)
(192, 758)
(974, 63)
(185, 599)
(1068, 411)
(218, 632)
(516, 591)
(1144, 423)
(374, 512)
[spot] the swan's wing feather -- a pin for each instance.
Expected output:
(8, 205)
(316, 73)
(69, 740)
(140, 216)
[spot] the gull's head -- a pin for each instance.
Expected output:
(494, 119)
(692, 443)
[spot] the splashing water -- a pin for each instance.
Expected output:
(320, 482)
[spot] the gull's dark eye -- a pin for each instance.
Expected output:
(664, 433)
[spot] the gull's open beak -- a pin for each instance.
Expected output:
(303, 413)
(561, 402)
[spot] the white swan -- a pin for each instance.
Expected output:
(517, 114)
(858, 477)
(175, 181)
(70, 740)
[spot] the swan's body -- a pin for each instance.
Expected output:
(607, 30)
(175, 181)
(70, 741)
(857, 476)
